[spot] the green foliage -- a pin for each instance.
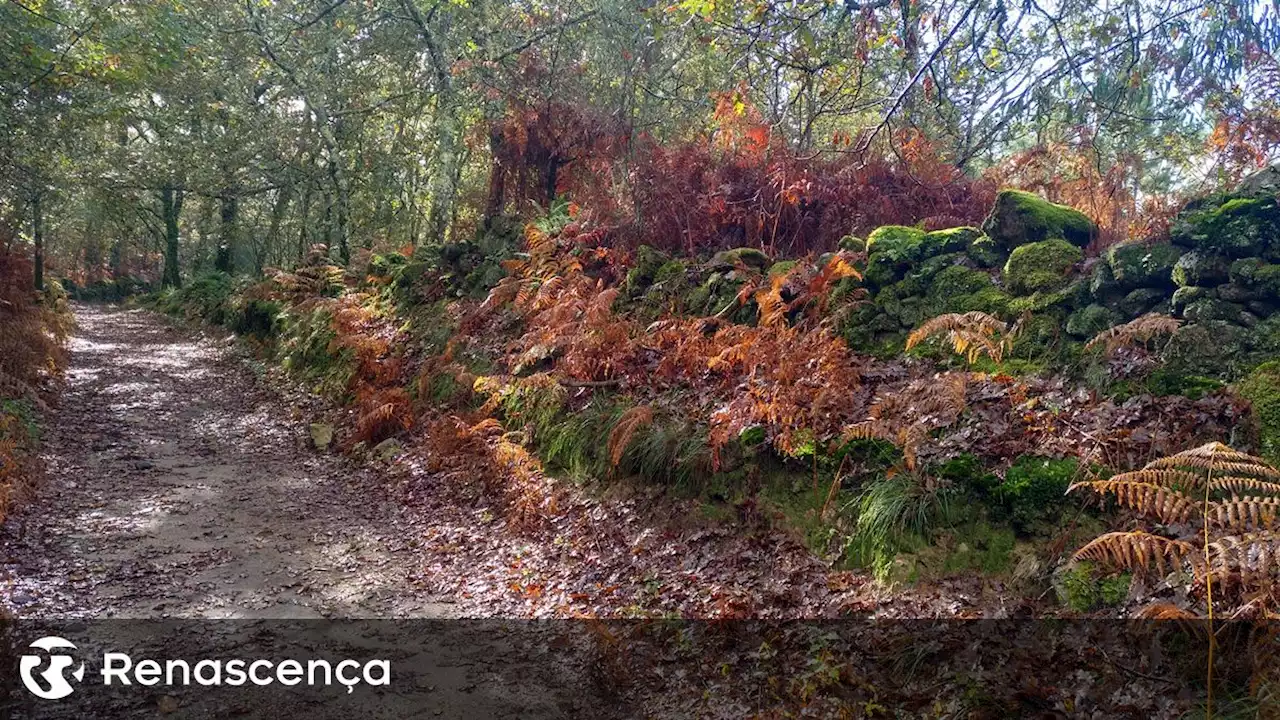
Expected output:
(1019, 218)
(1033, 489)
(1163, 382)
(303, 348)
(255, 317)
(891, 515)
(1041, 266)
(205, 298)
(1262, 389)
(1082, 589)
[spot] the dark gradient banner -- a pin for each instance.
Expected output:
(622, 669)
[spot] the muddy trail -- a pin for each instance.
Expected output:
(181, 486)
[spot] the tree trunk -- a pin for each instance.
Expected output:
(283, 197)
(171, 209)
(304, 230)
(227, 245)
(37, 235)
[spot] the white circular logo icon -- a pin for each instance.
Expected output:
(54, 685)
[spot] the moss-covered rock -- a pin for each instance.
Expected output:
(781, 268)
(852, 243)
(1213, 309)
(1245, 270)
(1140, 301)
(951, 240)
(899, 241)
(1091, 320)
(1211, 348)
(1103, 286)
(645, 267)
(729, 259)
(1230, 225)
(1020, 217)
(1236, 293)
(1262, 389)
(1134, 265)
(1201, 269)
(1040, 266)
(985, 253)
(1267, 281)
(1184, 296)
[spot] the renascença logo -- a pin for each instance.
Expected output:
(120, 668)
(55, 681)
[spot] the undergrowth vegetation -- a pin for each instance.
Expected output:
(33, 330)
(732, 378)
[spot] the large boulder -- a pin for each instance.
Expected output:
(1135, 265)
(1041, 266)
(1019, 218)
(1201, 269)
(1233, 226)
(1264, 182)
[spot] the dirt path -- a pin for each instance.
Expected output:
(179, 487)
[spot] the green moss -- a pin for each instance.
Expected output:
(951, 240)
(1267, 280)
(1200, 270)
(780, 268)
(1184, 296)
(985, 253)
(897, 240)
(1163, 382)
(1033, 489)
(751, 257)
(1020, 217)
(643, 272)
(1212, 309)
(1135, 265)
(1231, 226)
(1262, 389)
(852, 244)
(1040, 266)
(1211, 348)
(956, 280)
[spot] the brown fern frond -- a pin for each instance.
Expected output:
(1244, 513)
(631, 422)
(1173, 479)
(1251, 559)
(971, 334)
(1134, 332)
(1244, 484)
(1216, 457)
(1165, 504)
(1164, 611)
(1136, 551)
(973, 322)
